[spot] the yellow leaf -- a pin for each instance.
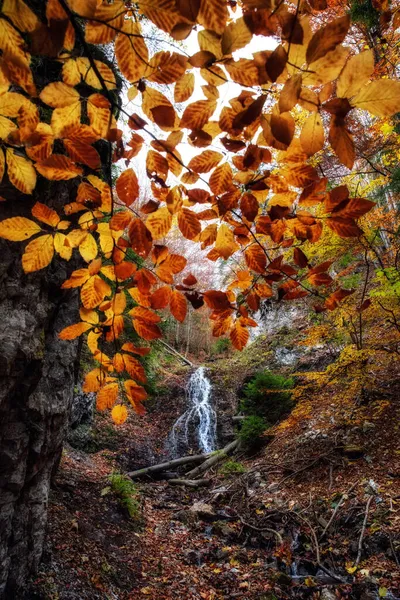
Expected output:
(73, 331)
(131, 52)
(213, 15)
(312, 135)
(64, 118)
(88, 248)
(99, 113)
(10, 40)
(59, 95)
(197, 114)
(20, 172)
(94, 291)
(381, 98)
(62, 246)
(355, 74)
(205, 161)
(58, 167)
(85, 71)
(221, 179)
(109, 18)
(18, 229)
(23, 18)
(236, 36)
(38, 253)
(10, 104)
(184, 87)
(225, 243)
(107, 396)
(159, 222)
(119, 414)
(93, 380)
(6, 127)
(327, 68)
(84, 8)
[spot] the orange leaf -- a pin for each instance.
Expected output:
(178, 305)
(189, 224)
(239, 336)
(128, 187)
(107, 396)
(73, 331)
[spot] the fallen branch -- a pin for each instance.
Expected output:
(215, 458)
(260, 529)
(193, 483)
(238, 418)
(360, 541)
(317, 550)
(339, 504)
(172, 350)
(176, 462)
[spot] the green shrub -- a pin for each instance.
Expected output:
(126, 493)
(220, 346)
(251, 431)
(232, 467)
(268, 396)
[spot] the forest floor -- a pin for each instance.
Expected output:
(315, 514)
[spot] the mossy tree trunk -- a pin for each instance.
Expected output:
(36, 388)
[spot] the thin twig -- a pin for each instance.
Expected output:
(339, 504)
(317, 550)
(360, 541)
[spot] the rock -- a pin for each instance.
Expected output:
(82, 408)
(273, 487)
(193, 557)
(327, 595)
(368, 426)
(203, 511)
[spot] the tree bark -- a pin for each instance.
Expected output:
(36, 389)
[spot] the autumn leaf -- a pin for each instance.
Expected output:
(178, 305)
(20, 172)
(119, 414)
(18, 229)
(38, 254)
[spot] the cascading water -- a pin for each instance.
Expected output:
(199, 421)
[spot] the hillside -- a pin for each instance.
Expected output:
(311, 513)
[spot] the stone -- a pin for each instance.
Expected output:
(204, 511)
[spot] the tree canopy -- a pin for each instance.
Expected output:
(253, 120)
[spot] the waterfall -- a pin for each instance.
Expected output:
(199, 421)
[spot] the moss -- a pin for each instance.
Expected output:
(126, 493)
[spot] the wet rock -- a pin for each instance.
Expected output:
(82, 408)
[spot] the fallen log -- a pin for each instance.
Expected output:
(238, 418)
(176, 462)
(193, 483)
(172, 350)
(215, 458)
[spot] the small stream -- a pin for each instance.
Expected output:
(197, 426)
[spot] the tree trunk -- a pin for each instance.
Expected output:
(36, 389)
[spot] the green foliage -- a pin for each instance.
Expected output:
(268, 395)
(351, 281)
(126, 493)
(232, 467)
(252, 429)
(363, 11)
(389, 284)
(346, 260)
(220, 346)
